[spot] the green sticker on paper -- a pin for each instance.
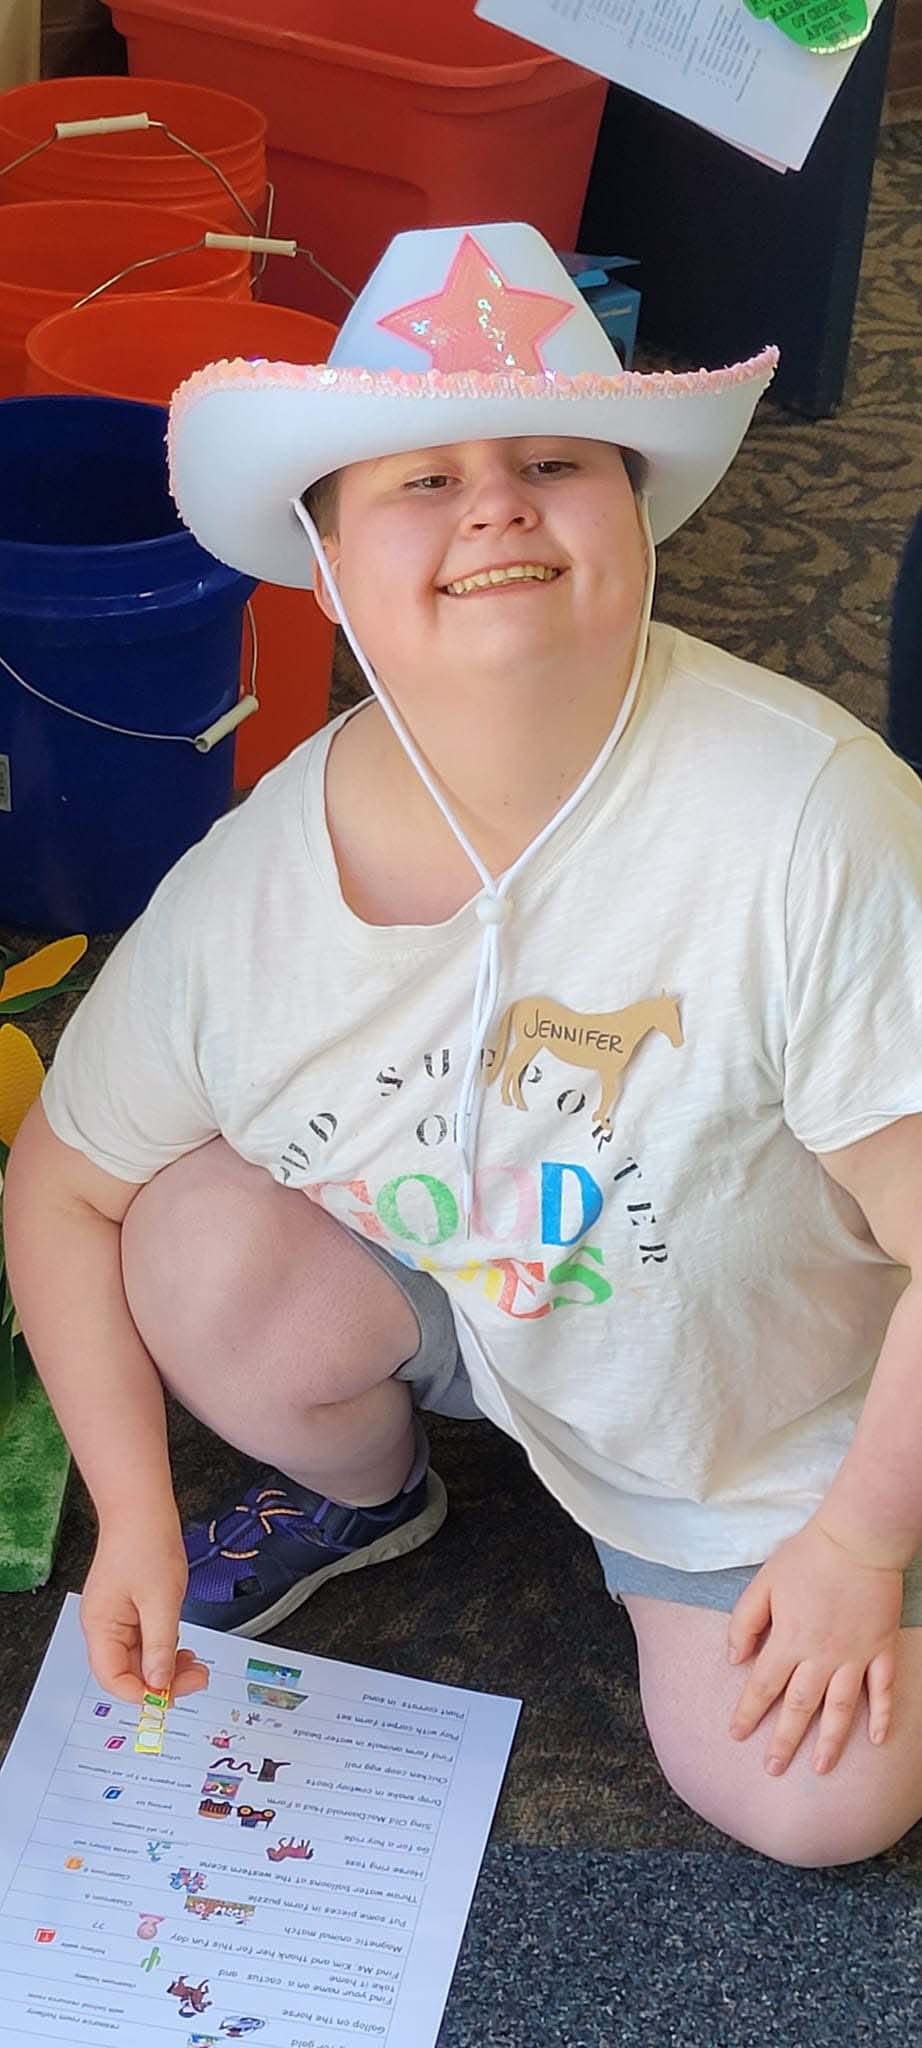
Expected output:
(818, 25)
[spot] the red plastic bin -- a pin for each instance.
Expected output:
(383, 117)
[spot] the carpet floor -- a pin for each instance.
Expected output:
(608, 1913)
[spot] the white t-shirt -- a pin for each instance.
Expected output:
(678, 1316)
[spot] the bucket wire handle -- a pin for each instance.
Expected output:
(263, 245)
(122, 124)
(267, 230)
(266, 245)
(202, 742)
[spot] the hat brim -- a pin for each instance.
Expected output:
(247, 438)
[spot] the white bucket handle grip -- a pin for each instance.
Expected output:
(106, 124)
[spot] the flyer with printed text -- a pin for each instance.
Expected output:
(709, 60)
(296, 1864)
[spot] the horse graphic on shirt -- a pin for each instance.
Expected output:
(604, 1040)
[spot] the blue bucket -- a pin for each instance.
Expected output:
(109, 608)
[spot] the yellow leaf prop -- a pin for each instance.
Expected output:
(42, 969)
(21, 1077)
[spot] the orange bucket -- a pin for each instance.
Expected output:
(383, 118)
(142, 348)
(54, 252)
(141, 166)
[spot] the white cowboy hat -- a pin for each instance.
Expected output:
(460, 334)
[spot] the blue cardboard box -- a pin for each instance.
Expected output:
(615, 305)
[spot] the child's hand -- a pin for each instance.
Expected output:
(130, 1615)
(833, 1624)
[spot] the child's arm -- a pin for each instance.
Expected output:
(62, 1232)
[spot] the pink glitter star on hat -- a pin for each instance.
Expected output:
(478, 321)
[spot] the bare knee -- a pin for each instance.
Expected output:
(193, 1242)
(789, 1824)
(848, 1838)
(803, 1819)
(220, 1263)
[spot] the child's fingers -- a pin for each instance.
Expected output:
(879, 1679)
(115, 1664)
(189, 1675)
(750, 1618)
(842, 1695)
(159, 1618)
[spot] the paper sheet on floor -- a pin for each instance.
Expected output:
(297, 1865)
(707, 59)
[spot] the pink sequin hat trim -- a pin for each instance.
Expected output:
(460, 334)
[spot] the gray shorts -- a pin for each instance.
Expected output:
(439, 1380)
(436, 1372)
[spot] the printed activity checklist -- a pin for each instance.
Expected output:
(296, 1864)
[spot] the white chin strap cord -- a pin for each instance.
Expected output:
(495, 906)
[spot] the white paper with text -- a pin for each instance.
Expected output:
(707, 59)
(297, 1865)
